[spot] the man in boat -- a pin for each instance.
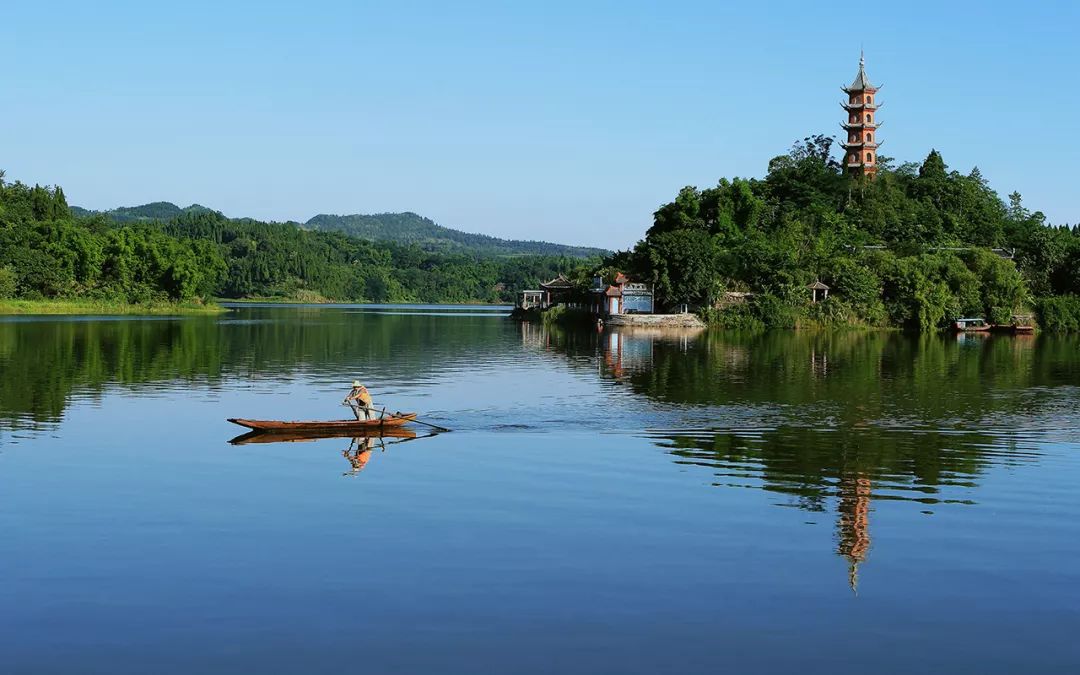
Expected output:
(360, 401)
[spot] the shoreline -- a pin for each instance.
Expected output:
(83, 307)
(296, 301)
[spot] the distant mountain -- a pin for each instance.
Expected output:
(162, 211)
(410, 228)
(401, 228)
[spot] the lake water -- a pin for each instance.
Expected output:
(624, 502)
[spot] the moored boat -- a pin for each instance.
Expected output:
(389, 420)
(971, 326)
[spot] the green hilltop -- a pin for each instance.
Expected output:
(400, 228)
(154, 211)
(411, 228)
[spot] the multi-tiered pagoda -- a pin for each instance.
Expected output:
(861, 127)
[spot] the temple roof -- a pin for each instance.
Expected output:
(817, 286)
(861, 80)
(558, 282)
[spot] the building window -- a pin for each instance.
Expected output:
(869, 157)
(869, 138)
(869, 99)
(852, 159)
(868, 118)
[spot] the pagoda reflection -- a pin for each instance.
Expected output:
(833, 422)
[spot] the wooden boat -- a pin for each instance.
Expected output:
(304, 436)
(275, 426)
(970, 326)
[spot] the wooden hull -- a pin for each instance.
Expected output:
(304, 436)
(275, 426)
(1014, 329)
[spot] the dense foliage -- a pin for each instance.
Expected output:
(911, 248)
(46, 251)
(410, 228)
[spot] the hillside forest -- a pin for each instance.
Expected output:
(48, 250)
(916, 247)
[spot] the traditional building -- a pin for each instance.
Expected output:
(557, 291)
(818, 291)
(861, 126)
(621, 297)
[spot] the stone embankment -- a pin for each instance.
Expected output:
(656, 320)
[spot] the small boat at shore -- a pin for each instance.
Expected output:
(276, 426)
(970, 326)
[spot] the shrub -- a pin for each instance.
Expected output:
(733, 317)
(8, 282)
(1059, 313)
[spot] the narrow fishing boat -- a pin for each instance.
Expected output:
(274, 426)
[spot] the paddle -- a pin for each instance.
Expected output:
(433, 426)
(399, 416)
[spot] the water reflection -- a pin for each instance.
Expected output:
(835, 422)
(358, 454)
(46, 363)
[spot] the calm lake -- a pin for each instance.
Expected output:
(621, 502)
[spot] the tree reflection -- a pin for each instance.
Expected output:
(837, 421)
(43, 363)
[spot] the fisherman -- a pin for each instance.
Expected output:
(360, 401)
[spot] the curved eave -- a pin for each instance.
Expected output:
(848, 126)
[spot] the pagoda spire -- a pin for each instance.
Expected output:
(861, 126)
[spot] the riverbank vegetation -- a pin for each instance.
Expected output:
(108, 307)
(917, 247)
(47, 253)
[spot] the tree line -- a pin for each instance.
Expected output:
(47, 251)
(911, 248)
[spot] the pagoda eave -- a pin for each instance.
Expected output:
(865, 90)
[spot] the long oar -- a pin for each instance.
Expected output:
(433, 426)
(400, 416)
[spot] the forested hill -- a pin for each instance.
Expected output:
(399, 228)
(410, 228)
(160, 252)
(919, 247)
(154, 211)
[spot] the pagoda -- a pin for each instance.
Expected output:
(861, 127)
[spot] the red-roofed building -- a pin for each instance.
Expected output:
(622, 297)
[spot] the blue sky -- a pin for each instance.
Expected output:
(567, 121)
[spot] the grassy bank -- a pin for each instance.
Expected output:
(109, 307)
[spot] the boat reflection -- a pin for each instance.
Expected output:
(362, 445)
(304, 436)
